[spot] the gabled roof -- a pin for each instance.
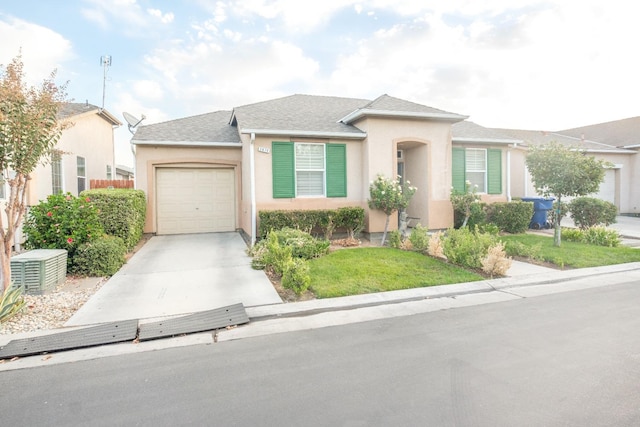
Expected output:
(623, 133)
(71, 109)
(299, 115)
(537, 137)
(204, 129)
(472, 133)
(388, 106)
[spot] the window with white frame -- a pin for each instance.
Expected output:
(109, 172)
(476, 168)
(82, 174)
(310, 169)
(56, 174)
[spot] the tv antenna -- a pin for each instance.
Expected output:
(132, 121)
(105, 62)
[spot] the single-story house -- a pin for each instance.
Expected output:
(216, 171)
(617, 187)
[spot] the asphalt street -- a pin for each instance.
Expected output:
(563, 359)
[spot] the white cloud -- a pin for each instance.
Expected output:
(39, 58)
(165, 18)
(124, 15)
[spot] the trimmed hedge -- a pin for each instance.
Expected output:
(326, 221)
(512, 217)
(102, 257)
(122, 212)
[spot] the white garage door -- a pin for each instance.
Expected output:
(192, 200)
(608, 187)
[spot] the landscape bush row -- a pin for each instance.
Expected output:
(514, 217)
(97, 228)
(324, 222)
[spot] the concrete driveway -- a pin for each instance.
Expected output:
(179, 274)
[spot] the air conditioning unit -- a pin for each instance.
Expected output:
(40, 270)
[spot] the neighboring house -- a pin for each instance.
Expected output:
(617, 186)
(85, 152)
(215, 171)
(124, 172)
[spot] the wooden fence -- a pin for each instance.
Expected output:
(111, 183)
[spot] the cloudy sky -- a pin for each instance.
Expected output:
(547, 65)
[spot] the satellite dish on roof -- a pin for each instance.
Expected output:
(132, 121)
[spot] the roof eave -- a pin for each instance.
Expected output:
(305, 133)
(187, 143)
(358, 114)
(462, 140)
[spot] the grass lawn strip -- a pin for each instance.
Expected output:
(576, 255)
(366, 270)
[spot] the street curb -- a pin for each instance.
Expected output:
(307, 308)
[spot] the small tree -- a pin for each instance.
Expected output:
(462, 201)
(560, 172)
(389, 196)
(29, 131)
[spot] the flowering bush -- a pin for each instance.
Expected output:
(389, 196)
(62, 222)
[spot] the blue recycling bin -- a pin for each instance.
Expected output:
(540, 208)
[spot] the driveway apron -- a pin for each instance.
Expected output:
(179, 274)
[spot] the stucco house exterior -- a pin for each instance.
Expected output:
(618, 186)
(86, 151)
(216, 171)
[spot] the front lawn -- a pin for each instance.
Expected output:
(378, 269)
(571, 254)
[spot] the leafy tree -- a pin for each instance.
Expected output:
(462, 201)
(29, 132)
(560, 172)
(389, 196)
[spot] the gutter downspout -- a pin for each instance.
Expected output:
(509, 172)
(252, 185)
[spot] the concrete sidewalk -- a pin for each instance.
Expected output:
(179, 274)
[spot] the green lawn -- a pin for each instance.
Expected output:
(575, 255)
(376, 269)
(366, 270)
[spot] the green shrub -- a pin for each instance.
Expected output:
(519, 249)
(278, 256)
(296, 275)
(395, 239)
(478, 215)
(512, 217)
(588, 211)
(303, 245)
(601, 236)
(419, 238)
(62, 221)
(351, 219)
(572, 235)
(597, 235)
(467, 248)
(121, 211)
(101, 257)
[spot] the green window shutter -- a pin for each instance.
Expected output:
(494, 171)
(336, 170)
(283, 170)
(458, 169)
